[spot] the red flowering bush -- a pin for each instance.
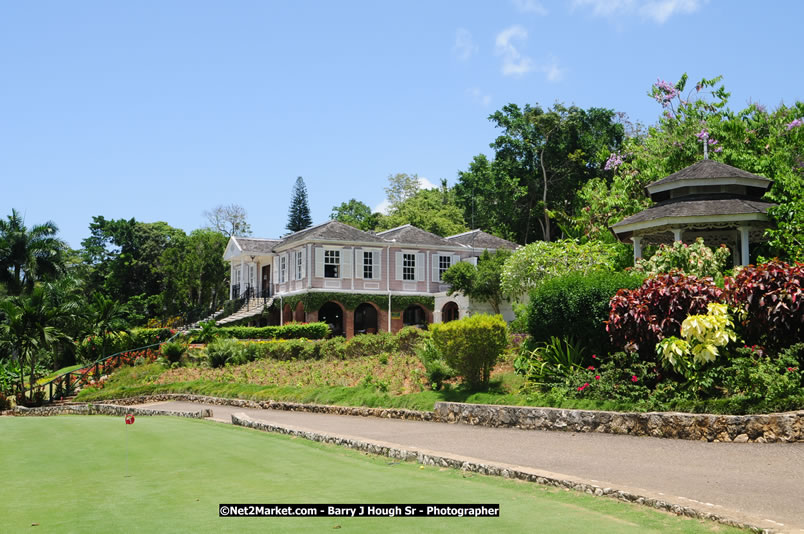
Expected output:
(640, 318)
(768, 298)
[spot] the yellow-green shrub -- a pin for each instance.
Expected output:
(472, 345)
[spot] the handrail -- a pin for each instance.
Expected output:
(99, 368)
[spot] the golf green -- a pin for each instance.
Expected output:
(97, 474)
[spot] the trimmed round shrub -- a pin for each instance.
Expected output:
(471, 345)
(576, 305)
(640, 318)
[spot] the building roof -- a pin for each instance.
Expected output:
(696, 208)
(480, 239)
(411, 235)
(255, 244)
(331, 231)
(708, 168)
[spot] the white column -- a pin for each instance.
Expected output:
(637, 247)
(676, 234)
(744, 243)
(242, 275)
(231, 279)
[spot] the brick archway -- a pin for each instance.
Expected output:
(366, 319)
(298, 315)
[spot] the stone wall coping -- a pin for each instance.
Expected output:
(759, 428)
(106, 409)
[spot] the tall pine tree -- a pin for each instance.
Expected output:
(299, 212)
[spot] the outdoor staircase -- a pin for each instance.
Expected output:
(251, 307)
(196, 325)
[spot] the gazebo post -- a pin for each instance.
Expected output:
(637, 247)
(744, 244)
(677, 234)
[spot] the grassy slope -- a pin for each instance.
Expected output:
(70, 477)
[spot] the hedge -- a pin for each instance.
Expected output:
(288, 331)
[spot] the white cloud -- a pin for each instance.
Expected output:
(479, 97)
(424, 183)
(530, 6)
(657, 10)
(552, 71)
(464, 47)
(514, 63)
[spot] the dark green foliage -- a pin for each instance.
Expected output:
(357, 214)
(28, 255)
(556, 360)
(299, 211)
(437, 369)
(333, 348)
(481, 282)
(576, 305)
(472, 345)
(770, 300)
(223, 351)
(90, 348)
(288, 331)
(173, 350)
(795, 353)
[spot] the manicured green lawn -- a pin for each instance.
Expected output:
(68, 474)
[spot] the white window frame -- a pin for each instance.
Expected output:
(441, 269)
(408, 267)
(368, 265)
(332, 257)
(299, 265)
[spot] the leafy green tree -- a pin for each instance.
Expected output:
(536, 262)
(434, 210)
(400, 188)
(28, 255)
(299, 212)
(481, 282)
(357, 214)
(105, 317)
(541, 158)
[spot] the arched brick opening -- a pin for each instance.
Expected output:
(298, 315)
(287, 314)
(366, 319)
(332, 313)
(449, 312)
(415, 315)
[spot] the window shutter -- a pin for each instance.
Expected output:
(455, 260)
(399, 266)
(303, 255)
(319, 262)
(358, 263)
(276, 269)
(346, 263)
(420, 267)
(287, 267)
(436, 263)
(376, 256)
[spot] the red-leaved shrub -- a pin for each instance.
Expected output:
(769, 297)
(640, 318)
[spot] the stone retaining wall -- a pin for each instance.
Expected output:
(105, 409)
(778, 427)
(507, 471)
(763, 428)
(362, 411)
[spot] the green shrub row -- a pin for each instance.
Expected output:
(288, 331)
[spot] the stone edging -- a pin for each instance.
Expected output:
(492, 469)
(763, 428)
(104, 409)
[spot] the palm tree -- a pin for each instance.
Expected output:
(105, 316)
(28, 255)
(27, 329)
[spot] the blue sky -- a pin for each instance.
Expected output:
(161, 110)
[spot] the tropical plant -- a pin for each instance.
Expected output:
(640, 318)
(556, 360)
(696, 259)
(173, 350)
(768, 299)
(28, 255)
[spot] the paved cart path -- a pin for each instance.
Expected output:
(760, 483)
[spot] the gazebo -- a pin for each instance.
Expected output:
(718, 202)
